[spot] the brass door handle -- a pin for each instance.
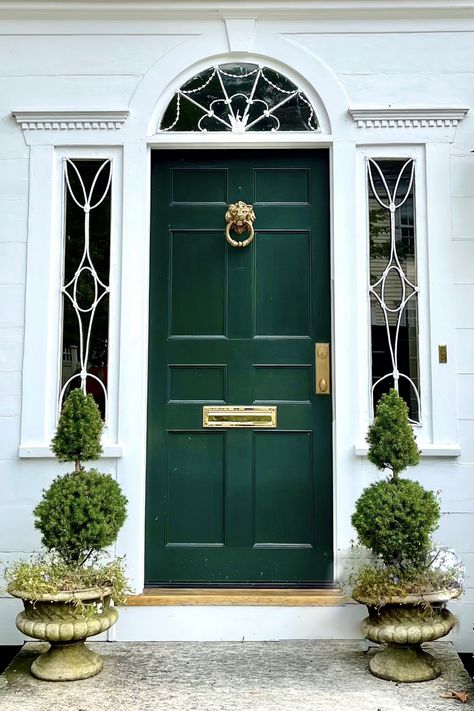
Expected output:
(323, 386)
(322, 366)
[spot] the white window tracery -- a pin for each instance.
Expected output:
(86, 286)
(393, 285)
(239, 98)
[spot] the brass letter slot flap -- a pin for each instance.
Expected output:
(239, 416)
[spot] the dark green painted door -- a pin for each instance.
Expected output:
(238, 326)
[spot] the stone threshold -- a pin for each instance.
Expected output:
(287, 597)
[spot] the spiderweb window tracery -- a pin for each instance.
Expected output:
(239, 98)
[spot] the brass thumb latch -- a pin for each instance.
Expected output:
(322, 368)
(239, 217)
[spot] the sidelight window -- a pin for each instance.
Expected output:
(85, 285)
(393, 286)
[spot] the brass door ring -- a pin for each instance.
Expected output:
(239, 217)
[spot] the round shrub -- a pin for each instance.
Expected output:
(77, 437)
(395, 519)
(80, 514)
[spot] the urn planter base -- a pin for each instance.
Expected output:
(65, 620)
(404, 664)
(403, 624)
(67, 662)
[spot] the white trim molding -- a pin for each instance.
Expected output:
(70, 120)
(199, 9)
(426, 450)
(408, 117)
(25, 451)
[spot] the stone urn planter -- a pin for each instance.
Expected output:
(403, 624)
(59, 620)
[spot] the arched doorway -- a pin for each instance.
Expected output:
(232, 499)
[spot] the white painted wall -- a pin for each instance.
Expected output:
(132, 64)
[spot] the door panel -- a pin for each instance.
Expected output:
(283, 485)
(283, 303)
(238, 327)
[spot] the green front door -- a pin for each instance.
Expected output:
(238, 326)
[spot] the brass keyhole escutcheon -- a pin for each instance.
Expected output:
(322, 368)
(239, 217)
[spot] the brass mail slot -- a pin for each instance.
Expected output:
(239, 416)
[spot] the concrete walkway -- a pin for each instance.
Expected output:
(230, 676)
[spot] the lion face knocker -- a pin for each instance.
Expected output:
(239, 217)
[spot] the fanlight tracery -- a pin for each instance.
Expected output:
(239, 98)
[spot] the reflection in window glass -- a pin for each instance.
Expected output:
(393, 283)
(86, 279)
(239, 98)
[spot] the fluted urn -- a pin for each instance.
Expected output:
(66, 620)
(403, 624)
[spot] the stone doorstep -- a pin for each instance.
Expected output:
(232, 676)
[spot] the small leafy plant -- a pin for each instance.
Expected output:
(79, 515)
(367, 576)
(47, 573)
(394, 518)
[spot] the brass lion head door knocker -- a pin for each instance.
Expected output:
(239, 217)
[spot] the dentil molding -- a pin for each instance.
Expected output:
(70, 120)
(408, 117)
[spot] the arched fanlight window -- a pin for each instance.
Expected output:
(239, 98)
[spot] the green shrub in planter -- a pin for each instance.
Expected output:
(80, 425)
(395, 517)
(405, 592)
(395, 520)
(81, 513)
(392, 444)
(66, 594)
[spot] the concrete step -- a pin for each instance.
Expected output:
(232, 676)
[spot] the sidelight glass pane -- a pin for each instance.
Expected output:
(393, 282)
(85, 289)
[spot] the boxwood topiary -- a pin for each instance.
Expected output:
(392, 444)
(80, 514)
(80, 425)
(395, 519)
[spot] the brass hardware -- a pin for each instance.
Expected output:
(322, 368)
(239, 416)
(239, 217)
(443, 354)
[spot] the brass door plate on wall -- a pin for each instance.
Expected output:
(443, 354)
(322, 360)
(249, 416)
